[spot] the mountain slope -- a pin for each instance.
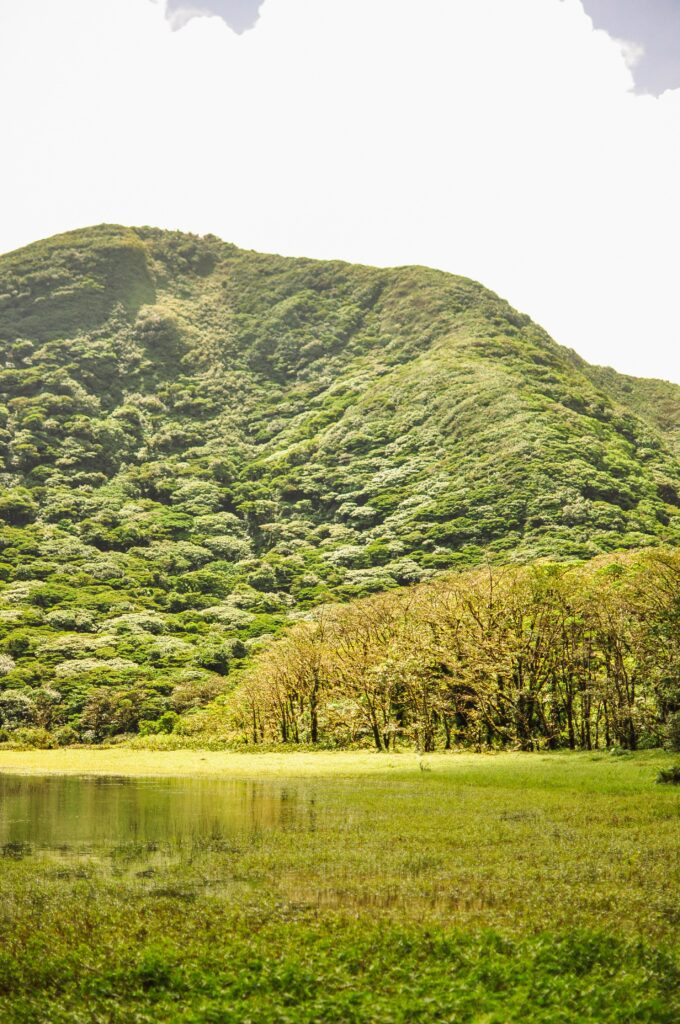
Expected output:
(655, 401)
(198, 440)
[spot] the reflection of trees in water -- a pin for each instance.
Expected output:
(115, 814)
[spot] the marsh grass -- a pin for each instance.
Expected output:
(489, 889)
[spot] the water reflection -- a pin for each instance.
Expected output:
(130, 818)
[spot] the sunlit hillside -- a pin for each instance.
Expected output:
(199, 442)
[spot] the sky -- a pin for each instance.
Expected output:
(239, 15)
(651, 28)
(533, 145)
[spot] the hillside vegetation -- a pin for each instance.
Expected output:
(200, 442)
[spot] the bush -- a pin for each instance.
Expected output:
(34, 738)
(164, 724)
(649, 741)
(17, 507)
(16, 709)
(7, 664)
(66, 736)
(670, 776)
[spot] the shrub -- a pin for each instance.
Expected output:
(16, 709)
(17, 507)
(7, 663)
(66, 736)
(35, 738)
(164, 724)
(670, 776)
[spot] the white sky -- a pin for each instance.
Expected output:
(499, 139)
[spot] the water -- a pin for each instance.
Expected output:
(135, 818)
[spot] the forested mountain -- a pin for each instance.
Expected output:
(199, 442)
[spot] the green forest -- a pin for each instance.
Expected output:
(272, 500)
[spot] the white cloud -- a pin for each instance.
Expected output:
(632, 52)
(183, 15)
(180, 12)
(500, 141)
(239, 15)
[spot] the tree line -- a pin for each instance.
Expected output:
(579, 656)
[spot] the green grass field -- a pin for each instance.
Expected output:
(457, 888)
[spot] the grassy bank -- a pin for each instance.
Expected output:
(560, 768)
(458, 888)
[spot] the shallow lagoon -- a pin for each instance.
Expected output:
(142, 818)
(457, 839)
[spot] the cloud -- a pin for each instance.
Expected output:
(499, 141)
(654, 25)
(632, 52)
(239, 15)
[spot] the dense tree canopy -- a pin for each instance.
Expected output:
(552, 655)
(197, 443)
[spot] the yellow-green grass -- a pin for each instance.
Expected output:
(511, 839)
(513, 768)
(296, 764)
(457, 887)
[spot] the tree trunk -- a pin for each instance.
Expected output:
(314, 721)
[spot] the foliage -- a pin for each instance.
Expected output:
(673, 731)
(552, 655)
(197, 442)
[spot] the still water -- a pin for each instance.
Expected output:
(101, 816)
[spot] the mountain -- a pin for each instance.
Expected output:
(198, 442)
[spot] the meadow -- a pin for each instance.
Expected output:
(485, 888)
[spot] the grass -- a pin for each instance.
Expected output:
(509, 769)
(489, 888)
